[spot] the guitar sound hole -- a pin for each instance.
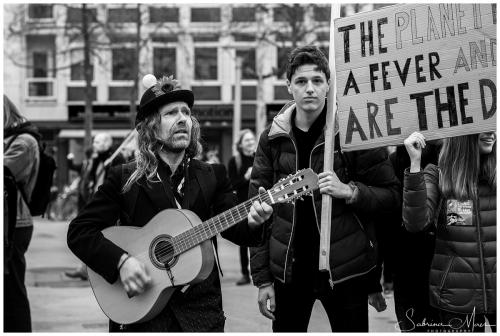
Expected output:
(162, 252)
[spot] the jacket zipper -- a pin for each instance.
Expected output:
(293, 216)
(330, 271)
(481, 256)
(448, 267)
(312, 198)
(351, 276)
(363, 228)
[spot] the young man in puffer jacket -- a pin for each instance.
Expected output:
(363, 186)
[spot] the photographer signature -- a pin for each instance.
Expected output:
(455, 323)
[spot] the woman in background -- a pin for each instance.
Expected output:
(239, 169)
(459, 198)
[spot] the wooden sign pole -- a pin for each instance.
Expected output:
(326, 204)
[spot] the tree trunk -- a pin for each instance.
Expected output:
(88, 96)
(135, 70)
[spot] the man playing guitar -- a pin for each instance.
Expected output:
(165, 175)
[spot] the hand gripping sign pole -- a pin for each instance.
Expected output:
(326, 204)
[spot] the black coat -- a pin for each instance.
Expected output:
(352, 241)
(463, 271)
(207, 193)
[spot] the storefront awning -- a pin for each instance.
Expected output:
(77, 133)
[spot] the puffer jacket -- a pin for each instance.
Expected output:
(22, 158)
(352, 242)
(463, 271)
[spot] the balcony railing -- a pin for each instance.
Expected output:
(41, 88)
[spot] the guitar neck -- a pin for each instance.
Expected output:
(215, 225)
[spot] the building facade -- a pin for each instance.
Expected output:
(198, 44)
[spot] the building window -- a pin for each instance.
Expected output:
(163, 14)
(120, 38)
(40, 11)
(205, 14)
(243, 14)
(205, 60)
(40, 64)
(163, 38)
(122, 15)
(282, 60)
(74, 14)
(206, 37)
(322, 13)
(77, 69)
(288, 13)
(123, 59)
(244, 37)
(247, 64)
(164, 62)
(207, 92)
(40, 88)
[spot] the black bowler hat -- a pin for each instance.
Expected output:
(162, 92)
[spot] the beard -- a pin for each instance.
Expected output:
(175, 146)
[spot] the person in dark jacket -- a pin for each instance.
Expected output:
(363, 184)
(462, 281)
(239, 169)
(411, 254)
(22, 157)
(93, 173)
(165, 175)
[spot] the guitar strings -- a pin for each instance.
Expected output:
(185, 240)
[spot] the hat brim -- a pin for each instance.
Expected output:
(167, 98)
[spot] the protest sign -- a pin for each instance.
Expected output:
(418, 67)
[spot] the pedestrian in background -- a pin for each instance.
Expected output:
(21, 158)
(83, 170)
(411, 253)
(239, 169)
(458, 197)
(92, 177)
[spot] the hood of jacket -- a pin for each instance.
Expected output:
(25, 127)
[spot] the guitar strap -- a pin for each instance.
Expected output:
(207, 184)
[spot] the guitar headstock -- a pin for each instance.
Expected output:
(289, 189)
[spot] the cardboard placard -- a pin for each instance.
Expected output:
(419, 67)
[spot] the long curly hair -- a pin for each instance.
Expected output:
(149, 144)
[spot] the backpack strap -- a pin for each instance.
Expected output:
(19, 186)
(7, 146)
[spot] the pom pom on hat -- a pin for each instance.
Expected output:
(148, 81)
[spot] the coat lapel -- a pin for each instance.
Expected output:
(161, 197)
(194, 192)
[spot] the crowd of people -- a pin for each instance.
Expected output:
(423, 214)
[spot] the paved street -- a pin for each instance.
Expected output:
(64, 305)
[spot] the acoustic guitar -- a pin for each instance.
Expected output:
(176, 250)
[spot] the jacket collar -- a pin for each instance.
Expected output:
(162, 196)
(282, 123)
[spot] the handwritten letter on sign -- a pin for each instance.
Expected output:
(418, 67)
